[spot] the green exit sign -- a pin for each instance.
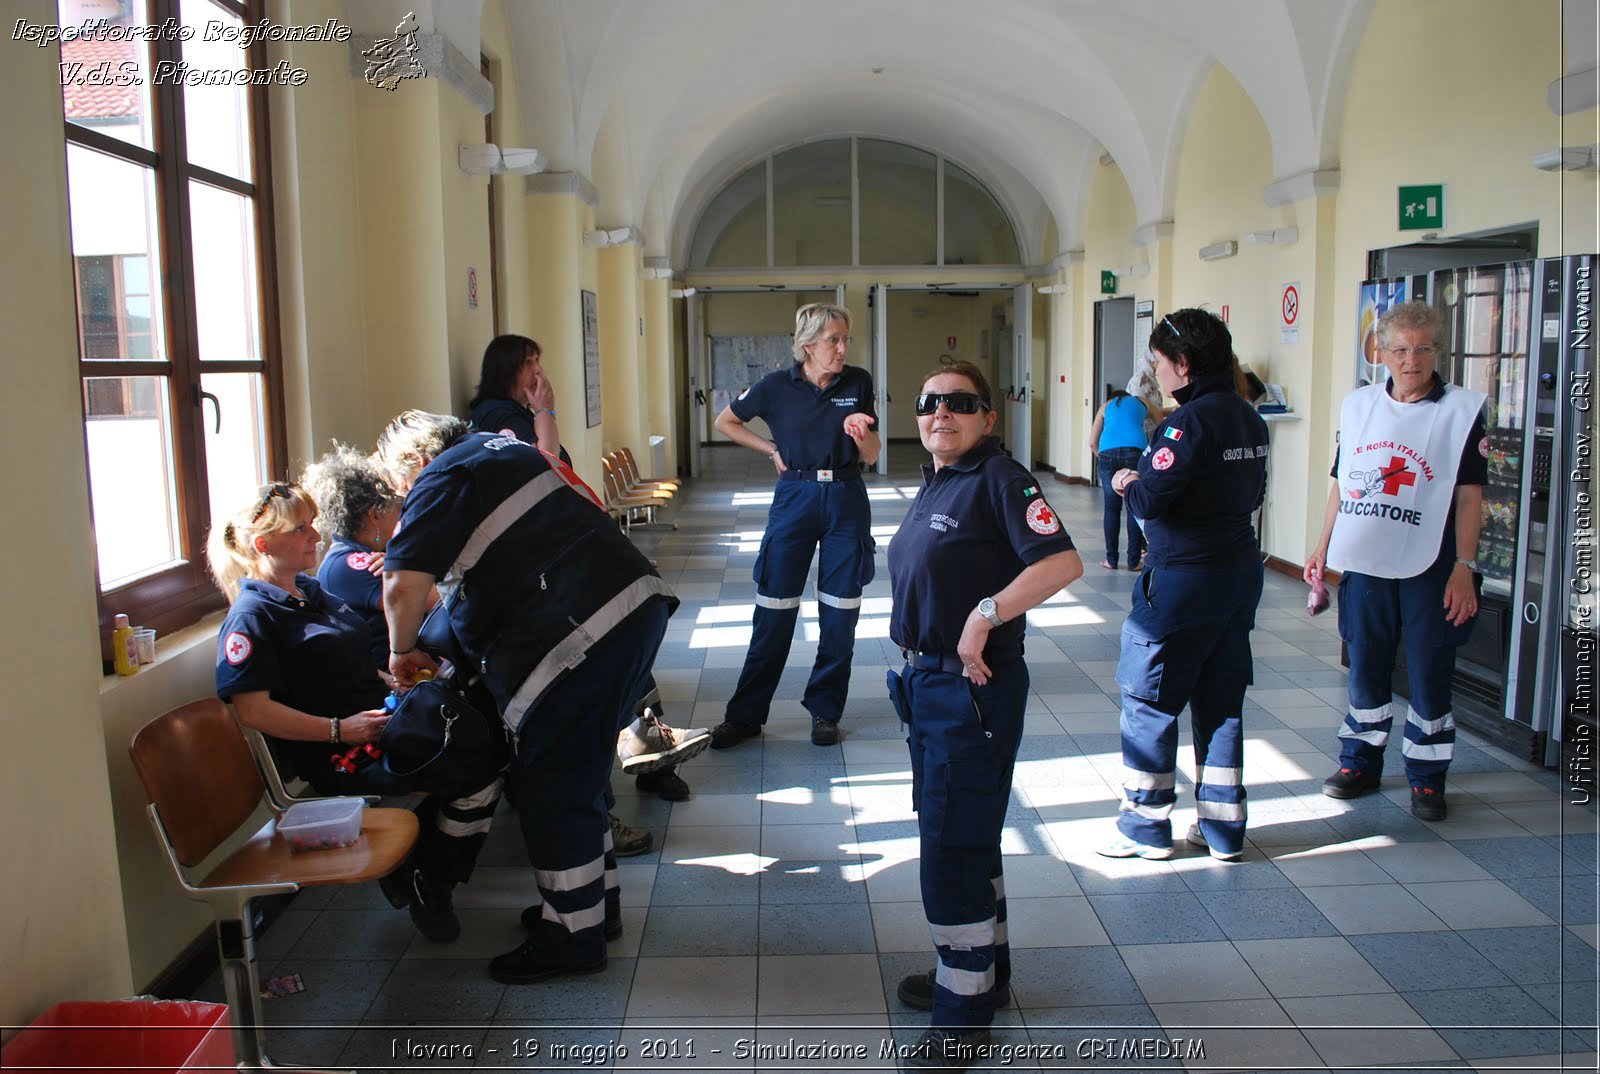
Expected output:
(1108, 282)
(1422, 207)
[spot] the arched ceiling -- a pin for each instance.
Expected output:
(661, 102)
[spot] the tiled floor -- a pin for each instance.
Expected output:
(781, 904)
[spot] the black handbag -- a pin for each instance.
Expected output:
(438, 739)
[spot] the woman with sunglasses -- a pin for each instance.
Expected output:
(1186, 640)
(979, 547)
(1401, 527)
(296, 662)
(821, 416)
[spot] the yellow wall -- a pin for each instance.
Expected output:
(60, 895)
(1108, 225)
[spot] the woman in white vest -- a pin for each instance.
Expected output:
(1402, 528)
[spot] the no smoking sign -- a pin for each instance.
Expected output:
(1289, 310)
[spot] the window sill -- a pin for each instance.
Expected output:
(170, 647)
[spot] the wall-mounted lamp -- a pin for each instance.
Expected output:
(490, 159)
(614, 236)
(1567, 158)
(655, 274)
(681, 292)
(1054, 289)
(1283, 236)
(1219, 251)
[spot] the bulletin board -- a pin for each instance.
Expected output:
(591, 359)
(739, 361)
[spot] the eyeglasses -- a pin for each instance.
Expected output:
(274, 490)
(837, 341)
(957, 402)
(1423, 352)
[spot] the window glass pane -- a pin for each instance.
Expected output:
(128, 429)
(226, 299)
(976, 230)
(733, 230)
(105, 84)
(236, 442)
(216, 116)
(899, 203)
(114, 252)
(811, 204)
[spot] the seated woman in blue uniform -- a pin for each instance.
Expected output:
(1186, 640)
(564, 617)
(979, 547)
(516, 398)
(822, 418)
(356, 511)
(296, 663)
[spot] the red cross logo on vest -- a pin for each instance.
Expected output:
(1395, 475)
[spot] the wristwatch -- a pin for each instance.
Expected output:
(987, 609)
(1470, 564)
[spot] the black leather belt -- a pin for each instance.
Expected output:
(950, 662)
(847, 473)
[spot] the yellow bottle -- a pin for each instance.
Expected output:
(123, 654)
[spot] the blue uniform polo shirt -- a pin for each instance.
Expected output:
(807, 422)
(974, 526)
(344, 576)
(1472, 470)
(313, 655)
(509, 418)
(1202, 478)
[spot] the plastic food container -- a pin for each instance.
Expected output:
(323, 823)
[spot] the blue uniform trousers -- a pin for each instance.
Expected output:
(1186, 641)
(806, 515)
(963, 740)
(1109, 462)
(566, 746)
(1377, 616)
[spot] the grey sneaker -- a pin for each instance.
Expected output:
(655, 745)
(1197, 838)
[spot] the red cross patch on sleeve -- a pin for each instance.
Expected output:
(1041, 519)
(1163, 459)
(1483, 447)
(358, 561)
(236, 648)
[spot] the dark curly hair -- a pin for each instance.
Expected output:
(347, 486)
(502, 361)
(1198, 336)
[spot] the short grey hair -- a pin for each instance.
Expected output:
(811, 321)
(1416, 315)
(348, 486)
(414, 439)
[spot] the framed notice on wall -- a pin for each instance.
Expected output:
(591, 359)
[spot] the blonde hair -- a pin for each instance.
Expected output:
(231, 545)
(348, 486)
(811, 321)
(414, 439)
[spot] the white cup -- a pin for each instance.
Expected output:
(144, 643)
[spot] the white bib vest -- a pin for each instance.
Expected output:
(1397, 479)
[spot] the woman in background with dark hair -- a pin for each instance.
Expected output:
(1186, 640)
(1116, 440)
(514, 396)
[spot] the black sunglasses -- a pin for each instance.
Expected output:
(958, 402)
(277, 488)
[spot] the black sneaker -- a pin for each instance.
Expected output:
(946, 1049)
(825, 733)
(626, 841)
(664, 783)
(1349, 783)
(545, 954)
(613, 930)
(916, 992)
(432, 910)
(1427, 804)
(728, 734)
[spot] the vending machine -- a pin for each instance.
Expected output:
(1512, 333)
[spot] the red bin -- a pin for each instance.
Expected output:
(139, 1035)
